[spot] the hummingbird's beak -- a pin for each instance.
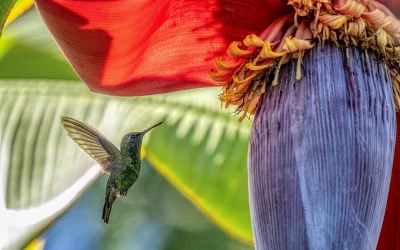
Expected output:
(147, 130)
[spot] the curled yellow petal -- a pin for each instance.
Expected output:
(224, 66)
(393, 27)
(267, 52)
(333, 21)
(235, 51)
(253, 40)
(251, 66)
(333, 37)
(393, 53)
(236, 79)
(301, 3)
(352, 8)
(219, 76)
(376, 18)
(293, 44)
(356, 28)
(381, 38)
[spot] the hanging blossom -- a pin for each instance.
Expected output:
(256, 61)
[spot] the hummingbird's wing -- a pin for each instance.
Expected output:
(93, 142)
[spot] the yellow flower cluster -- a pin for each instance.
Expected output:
(363, 23)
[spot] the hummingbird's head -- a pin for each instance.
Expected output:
(135, 138)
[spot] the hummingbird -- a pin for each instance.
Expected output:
(123, 166)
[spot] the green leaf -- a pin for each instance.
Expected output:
(42, 172)
(18, 9)
(199, 148)
(5, 8)
(27, 51)
(11, 9)
(203, 152)
(17, 60)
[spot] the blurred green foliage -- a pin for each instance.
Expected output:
(153, 216)
(27, 51)
(5, 8)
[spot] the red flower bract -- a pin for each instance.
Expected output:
(135, 48)
(390, 233)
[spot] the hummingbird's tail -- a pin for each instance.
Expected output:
(109, 200)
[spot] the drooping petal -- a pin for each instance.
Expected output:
(146, 47)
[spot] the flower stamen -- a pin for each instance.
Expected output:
(256, 61)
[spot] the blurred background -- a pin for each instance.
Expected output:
(192, 191)
(152, 216)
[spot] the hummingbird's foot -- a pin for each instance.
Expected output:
(124, 193)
